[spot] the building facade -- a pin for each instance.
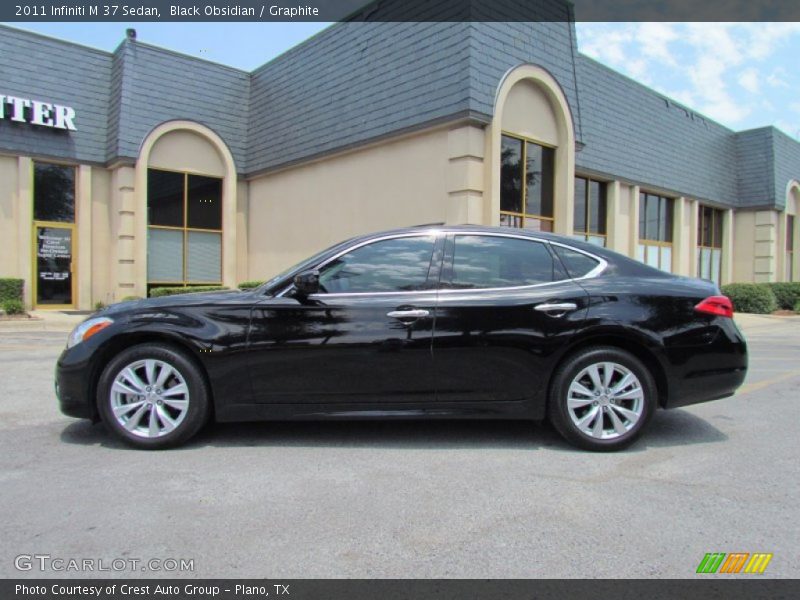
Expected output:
(143, 167)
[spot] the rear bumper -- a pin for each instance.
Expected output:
(709, 372)
(707, 387)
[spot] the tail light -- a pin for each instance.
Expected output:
(720, 306)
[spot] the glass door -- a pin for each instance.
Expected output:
(54, 280)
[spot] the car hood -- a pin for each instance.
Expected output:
(179, 300)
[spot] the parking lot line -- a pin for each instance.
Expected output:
(748, 388)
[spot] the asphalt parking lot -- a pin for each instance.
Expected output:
(399, 499)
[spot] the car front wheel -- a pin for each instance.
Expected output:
(153, 396)
(602, 398)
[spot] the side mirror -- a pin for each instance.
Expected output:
(307, 283)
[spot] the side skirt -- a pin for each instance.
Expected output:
(454, 410)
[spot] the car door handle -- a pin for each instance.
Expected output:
(557, 307)
(416, 313)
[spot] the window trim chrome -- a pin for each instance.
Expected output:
(435, 233)
(601, 266)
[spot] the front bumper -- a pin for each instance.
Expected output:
(74, 384)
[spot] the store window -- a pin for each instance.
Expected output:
(526, 184)
(655, 231)
(590, 211)
(54, 234)
(790, 249)
(184, 245)
(709, 244)
(53, 193)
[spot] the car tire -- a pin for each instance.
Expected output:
(602, 399)
(153, 396)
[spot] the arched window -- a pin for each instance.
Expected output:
(184, 238)
(533, 149)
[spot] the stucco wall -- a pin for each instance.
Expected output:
(101, 237)
(744, 229)
(8, 223)
(186, 151)
(296, 212)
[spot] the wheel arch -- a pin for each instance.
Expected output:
(117, 344)
(637, 347)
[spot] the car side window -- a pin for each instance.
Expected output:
(483, 261)
(577, 263)
(393, 265)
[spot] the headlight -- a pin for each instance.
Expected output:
(87, 329)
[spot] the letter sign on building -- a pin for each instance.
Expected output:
(35, 112)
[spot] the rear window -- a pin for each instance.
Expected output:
(576, 263)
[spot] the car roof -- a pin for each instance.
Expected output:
(457, 228)
(619, 261)
(441, 227)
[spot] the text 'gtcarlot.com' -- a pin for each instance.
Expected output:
(47, 562)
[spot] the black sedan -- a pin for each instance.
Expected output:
(423, 322)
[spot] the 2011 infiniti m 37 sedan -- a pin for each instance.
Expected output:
(422, 322)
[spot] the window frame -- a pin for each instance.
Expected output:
(56, 163)
(524, 187)
(587, 233)
(448, 261)
(439, 260)
(71, 225)
(712, 234)
(647, 243)
(431, 281)
(185, 229)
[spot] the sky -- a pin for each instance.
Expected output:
(743, 75)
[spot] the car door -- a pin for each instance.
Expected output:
(365, 338)
(505, 308)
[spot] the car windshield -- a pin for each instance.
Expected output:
(301, 266)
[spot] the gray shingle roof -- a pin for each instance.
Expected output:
(356, 82)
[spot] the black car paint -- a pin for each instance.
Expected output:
(268, 355)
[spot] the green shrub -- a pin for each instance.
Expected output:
(171, 291)
(99, 305)
(130, 298)
(249, 285)
(13, 307)
(11, 289)
(797, 307)
(757, 298)
(787, 294)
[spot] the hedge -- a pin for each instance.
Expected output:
(130, 298)
(757, 298)
(11, 289)
(13, 307)
(166, 291)
(787, 294)
(249, 285)
(171, 291)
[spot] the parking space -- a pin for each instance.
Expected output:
(403, 499)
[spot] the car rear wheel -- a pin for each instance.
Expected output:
(153, 396)
(602, 398)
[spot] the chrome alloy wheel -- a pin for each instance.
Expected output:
(149, 398)
(605, 400)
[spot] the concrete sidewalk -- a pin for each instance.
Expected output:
(43, 320)
(748, 322)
